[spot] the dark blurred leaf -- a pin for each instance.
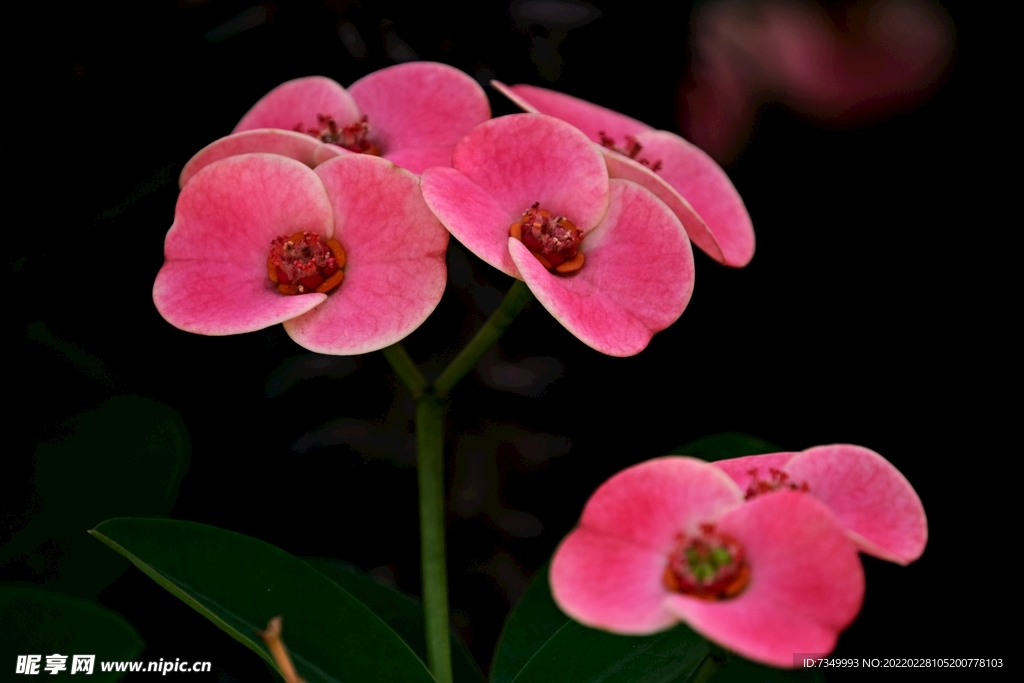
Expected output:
(726, 445)
(540, 643)
(127, 457)
(403, 613)
(37, 622)
(239, 583)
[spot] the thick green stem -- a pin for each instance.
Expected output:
(515, 299)
(430, 407)
(405, 368)
(430, 466)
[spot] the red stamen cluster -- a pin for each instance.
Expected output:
(779, 480)
(352, 137)
(631, 150)
(302, 263)
(707, 565)
(554, 240)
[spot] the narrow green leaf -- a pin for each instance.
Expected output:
(403, 613)
(539, 643)
(37, 622)
(239, 583)
(726, 445)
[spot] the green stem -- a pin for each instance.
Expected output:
(430, 408)
(430, 467)
(405, 368)
(517, 297)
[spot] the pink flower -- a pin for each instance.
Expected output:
(689, 181)
(872, 499)
(531, 196)
(875, 58)
(671, 540)
(411, 114)
(347, 256)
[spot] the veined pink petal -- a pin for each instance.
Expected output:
(649, 504)
(707, 188)
(590, 118)
(298, 146)
(215, 279)
(740, 468)
(422, 107)
(526, 158)
(870, 497)
(299, 102)
(621, 166)
(472, 214)
(610, 583)
(806, 582)
(395, 273)
(636, 280)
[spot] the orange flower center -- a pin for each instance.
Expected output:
(554, 240)
(707, 565)
(353, 137)
(303, 263)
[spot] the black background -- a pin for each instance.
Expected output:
(874, 313)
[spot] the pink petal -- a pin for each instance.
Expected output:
(610, 583)
(696, 176)
(298, 146)
(395, 273)
(325, 151)
(649, 504)
(418, 111)
(739, 468)
(873, 500)
(299, 102)
(636, 280)
(527, 158)
(590, 118)
(473, 215)
(806, 582)
(215, 279)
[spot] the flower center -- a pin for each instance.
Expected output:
(778, 480)
(303, 263)
(554, 240)
(631, 150)
(353, 137)
(707, 565)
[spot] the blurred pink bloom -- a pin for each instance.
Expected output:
(347, 256)
(411, 114)
(696, 189)
(873, 59)
(671, 540)
(872, 499)
(530, 195)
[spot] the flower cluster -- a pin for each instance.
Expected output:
(600, 238)
(757, 553)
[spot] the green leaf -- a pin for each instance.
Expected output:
(403, 613)
(540, 643)
(726, 445)
(127, 457)
(37, 622)
(239, 583)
